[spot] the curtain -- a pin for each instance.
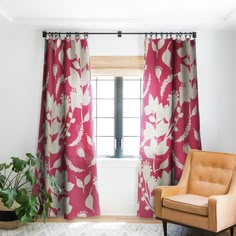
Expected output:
(65, 145)
(170, 115)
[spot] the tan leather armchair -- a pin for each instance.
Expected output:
(205, 196)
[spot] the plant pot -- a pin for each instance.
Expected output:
(8, 218)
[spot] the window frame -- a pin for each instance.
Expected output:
(118, 67)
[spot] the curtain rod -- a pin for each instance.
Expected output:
(120, 33)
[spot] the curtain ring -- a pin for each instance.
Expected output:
(77, 35)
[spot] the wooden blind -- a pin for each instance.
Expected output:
(117, 65)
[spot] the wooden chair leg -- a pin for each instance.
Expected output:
(164, 224)
(232, 231)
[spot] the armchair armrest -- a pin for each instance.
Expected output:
(180, 188)
(221, 211)
(163, 191)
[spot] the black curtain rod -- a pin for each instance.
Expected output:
(120, 33)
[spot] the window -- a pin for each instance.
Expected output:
(116, 113)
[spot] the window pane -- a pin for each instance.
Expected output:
(94, 108)
(105, 89)
(105, 108)
(131, 108)
(131, 146)
(103, 113)
(131, 89)
(94, 128)
(93, 83)
(105, 146)
(131, 126)
(105, 127)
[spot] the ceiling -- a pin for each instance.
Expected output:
(125, 15)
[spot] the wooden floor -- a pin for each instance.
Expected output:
(128, 219)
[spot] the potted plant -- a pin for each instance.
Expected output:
(16, 182)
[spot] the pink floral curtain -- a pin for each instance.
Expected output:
(170, 115)
(65, 143)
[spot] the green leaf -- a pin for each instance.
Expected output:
(33, 211)
(47, 197)
(26, 219)
(4, 166)
(30, 156)
(8, 197)
(31, 159)
(46, 207)
(29, 206)
(54, 184)
(33, 206)
(19, 212)
(2, 195)
(46, 204)
(44, 215)
(22, 197)
(2, 181)
(18, 164)
(30, 177)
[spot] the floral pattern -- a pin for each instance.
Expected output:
(65, 145)
(170, 115)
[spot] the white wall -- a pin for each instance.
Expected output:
(21, 65)
(21, 56)
(217, 79)
(118, 186)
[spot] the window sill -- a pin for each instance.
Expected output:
(104, 162)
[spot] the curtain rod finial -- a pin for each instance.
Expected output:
(44, 33)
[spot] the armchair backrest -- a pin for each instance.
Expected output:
(210, 172)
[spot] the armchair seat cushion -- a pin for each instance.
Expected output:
(190, 203)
